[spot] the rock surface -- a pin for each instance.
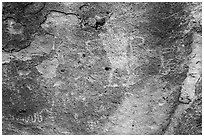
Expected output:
(101, 68)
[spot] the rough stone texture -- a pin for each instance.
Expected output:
(56, 70)
(190, 123)
(15, 17)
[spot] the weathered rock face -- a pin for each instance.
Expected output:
(100, 68)
(23, 99)
(20, 26)
(192, 116)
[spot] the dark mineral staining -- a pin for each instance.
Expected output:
(175, 76)
(34, 7)
(92, 19)
(93, 16)
(64, 71)
(13, 8)
(191, 121)
(13, 69)
(27, 95)
(107, 68)
(166, 18)
(22, 112)
(22, 95)
(187, 41)
(29, 23)
(154, 66)
(166, 24)
(15, 45)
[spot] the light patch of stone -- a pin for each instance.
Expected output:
(14, 28)
(6, 57)
(194, 73)
(48, 68)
